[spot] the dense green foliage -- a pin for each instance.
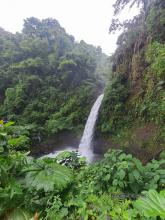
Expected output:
(132, 114)
(47, 79)
(66, 188)
(48, 84)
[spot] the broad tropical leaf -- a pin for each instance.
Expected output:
(48, 176)
(19, 214)
(152, 205)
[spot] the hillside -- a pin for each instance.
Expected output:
(132, 116)
(48, 80)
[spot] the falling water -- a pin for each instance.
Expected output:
(85, 146)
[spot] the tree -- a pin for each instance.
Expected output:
(120, 5)
(41, 69)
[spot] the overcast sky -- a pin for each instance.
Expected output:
(87, 20)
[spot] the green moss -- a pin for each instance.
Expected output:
(113, 106)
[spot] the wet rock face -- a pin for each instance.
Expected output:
(143, 143)
(103, 142)
(140, 141)
(56, 142)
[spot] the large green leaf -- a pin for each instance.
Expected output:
(48, 176)
(9, 124)
(19, 214)
(152, 205)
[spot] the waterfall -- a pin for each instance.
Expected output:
(85, 146)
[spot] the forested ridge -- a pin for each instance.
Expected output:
(49, 83)
(48, 80)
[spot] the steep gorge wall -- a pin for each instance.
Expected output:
(133, 112)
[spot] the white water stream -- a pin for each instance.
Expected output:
(85, 146)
